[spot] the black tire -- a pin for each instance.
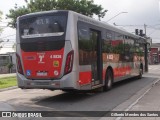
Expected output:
(108, 80)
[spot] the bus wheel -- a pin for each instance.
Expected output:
(108, 80)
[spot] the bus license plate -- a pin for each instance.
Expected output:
(42, 73)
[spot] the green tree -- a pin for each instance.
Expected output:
(10, 65)
(86, 7)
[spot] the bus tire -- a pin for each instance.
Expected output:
(108, 80)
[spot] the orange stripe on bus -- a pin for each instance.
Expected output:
(86, 77)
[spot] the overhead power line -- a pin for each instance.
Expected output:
(155, 27)
(148, 26)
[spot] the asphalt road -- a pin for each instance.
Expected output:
(57, 100)
(45, 100)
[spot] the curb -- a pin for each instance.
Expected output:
(9, 88)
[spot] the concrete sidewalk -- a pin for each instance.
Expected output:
(148, 101)
(145, 101)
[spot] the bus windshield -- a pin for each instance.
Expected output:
(42, 26)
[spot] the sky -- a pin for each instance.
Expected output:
(137, 13)
(8, 33)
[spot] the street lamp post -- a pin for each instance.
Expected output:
(116, 16)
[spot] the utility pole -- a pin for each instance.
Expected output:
(146, 56)
(145, 26)
(146, 49)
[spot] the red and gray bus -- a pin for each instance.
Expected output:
(68, 51)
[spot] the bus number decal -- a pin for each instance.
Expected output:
(110, 57)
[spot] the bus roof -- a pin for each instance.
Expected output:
(108, 26)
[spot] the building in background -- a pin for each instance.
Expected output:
(154, 55)
(8, 63)
(7, 57)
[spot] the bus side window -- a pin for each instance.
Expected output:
(118, 47)
(129, 49)
(107, 42)
(84, 44)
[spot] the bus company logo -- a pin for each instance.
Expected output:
(56, 63)
(41, 57)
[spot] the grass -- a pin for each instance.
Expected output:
(8, 82)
